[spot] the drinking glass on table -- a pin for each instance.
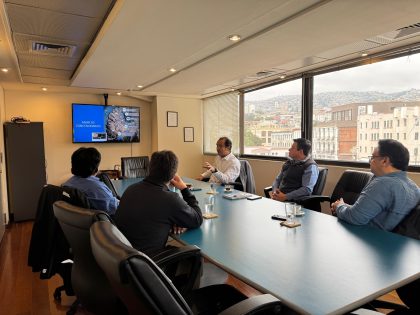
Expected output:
(298, 209)
(290, 211)
(209, 204)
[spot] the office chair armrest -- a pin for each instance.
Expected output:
(235, 185)
(267, 191)
(313, 202)
(260, 303)
(171, 254)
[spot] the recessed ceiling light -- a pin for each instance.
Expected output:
(172, 70)
(44, 89)
(232, 89)
(139, 86)
(282, 76)
(364, 54)
(234, 38)
(118, 93)
(5, 70)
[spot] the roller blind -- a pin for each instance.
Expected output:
(221, 119)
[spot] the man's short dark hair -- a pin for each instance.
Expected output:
(396, 152)
(226, 142)
(163, 166)
(303, 144)
(85, 162)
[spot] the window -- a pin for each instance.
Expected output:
(377, 94)
(353, 108)
(272, 119)
(221, 118)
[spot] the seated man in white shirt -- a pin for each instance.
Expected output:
(226, 166)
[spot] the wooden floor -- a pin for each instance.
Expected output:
(23, 292)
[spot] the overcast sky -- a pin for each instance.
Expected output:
(390, 76)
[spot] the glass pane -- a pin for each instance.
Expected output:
(354, 108)
(272, 119)
(221, 119)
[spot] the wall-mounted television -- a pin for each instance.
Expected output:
(105, 123)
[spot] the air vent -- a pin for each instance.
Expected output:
(52, 49)
(264, 73)
(413, 29)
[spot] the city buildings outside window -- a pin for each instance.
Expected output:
(272, 119)
(378, 95)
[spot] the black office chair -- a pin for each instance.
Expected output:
(307, 202)
(409, 293)
(104, 177)
(145, 289)
(89, 282)
(349, 187)
(245, 181)
(48, 246)
(136, 166)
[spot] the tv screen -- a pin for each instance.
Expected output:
(105, 123)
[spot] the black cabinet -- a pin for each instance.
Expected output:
(25, 166)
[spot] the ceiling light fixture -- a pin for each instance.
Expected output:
(5, 70)
(172, 70)
(234, 38)
(364, 54)
(44, 89)
(282, 76)
(118, 93)
(139, 86)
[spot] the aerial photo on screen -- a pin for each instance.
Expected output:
(122, 124)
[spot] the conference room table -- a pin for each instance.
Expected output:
(324, 266)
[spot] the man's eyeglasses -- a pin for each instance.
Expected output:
(371, 157)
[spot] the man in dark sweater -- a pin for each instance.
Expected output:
(298, 175)
(148, 210)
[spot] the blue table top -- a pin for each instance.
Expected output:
(324, 266)
(121, 185)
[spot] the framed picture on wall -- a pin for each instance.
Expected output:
(172, 119)
(188, 134)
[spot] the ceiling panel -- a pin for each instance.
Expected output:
(141, 40)
(52, 62)
(90, 8)
(47, 73)
(45, 81)
(51, 24)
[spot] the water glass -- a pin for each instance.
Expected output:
(212, 189)
(209, 204)
(290, 212)
(298, 209)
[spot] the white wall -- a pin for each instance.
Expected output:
(172, 138)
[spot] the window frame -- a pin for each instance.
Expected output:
(307, 102)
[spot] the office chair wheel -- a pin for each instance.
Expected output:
(57, 294)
